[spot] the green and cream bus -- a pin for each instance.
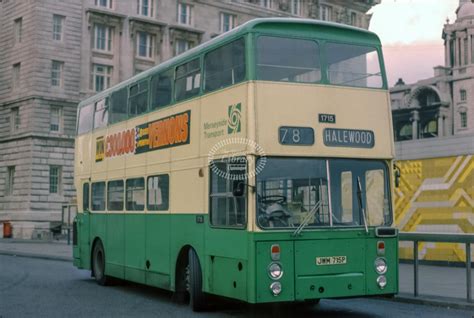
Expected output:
(256, 166)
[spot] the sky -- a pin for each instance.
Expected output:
(410, 31)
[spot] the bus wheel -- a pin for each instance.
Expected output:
(194, 282)
(98, 264)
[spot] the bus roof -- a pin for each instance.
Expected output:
(281, 25)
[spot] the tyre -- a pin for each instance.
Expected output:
(196, 295)
(98, 264)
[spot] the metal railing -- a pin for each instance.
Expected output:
(414, 237)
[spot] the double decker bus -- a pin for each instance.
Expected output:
(256, 166)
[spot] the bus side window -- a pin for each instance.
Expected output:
(224, 66)
(115, 195)
(85, 197)
(98, 196)
(161, 86)
(135, 194)
(158, 193)
(138, 98)
(86, 114)
(118, 100)
(188, 80)
(101, 115)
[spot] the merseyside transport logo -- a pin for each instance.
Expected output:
(233, 121)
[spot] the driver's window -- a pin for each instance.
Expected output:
(226, 209)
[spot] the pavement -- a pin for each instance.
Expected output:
(443, 286)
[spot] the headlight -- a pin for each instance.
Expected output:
(275, 271)
(380, 266)
(382, 281)
(275, 288)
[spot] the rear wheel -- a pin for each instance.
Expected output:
(194, 282)
(98, 264)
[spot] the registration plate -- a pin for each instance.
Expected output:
(331, 260)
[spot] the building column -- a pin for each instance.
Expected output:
(415, 118)
(440, 126)
(447, 51)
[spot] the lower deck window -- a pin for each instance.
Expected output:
(158, 192)
(98, 196)
(115, 195)
(136, 194)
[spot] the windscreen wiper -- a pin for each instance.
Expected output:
(307, 218)
(361, 206)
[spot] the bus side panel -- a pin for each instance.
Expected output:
(157, 250)
(134, 233)
(227, 265)
(187, 231)
(82, 250)
(114, 245)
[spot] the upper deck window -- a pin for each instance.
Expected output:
(288, 60)
(188, 80)
(161, 88)
(119, 105)
(224, 66)
(353, 65)
(85, 119)
(138, 98)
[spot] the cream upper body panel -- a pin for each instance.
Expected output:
(299, 105)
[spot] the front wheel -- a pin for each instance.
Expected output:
(98, 264)
(196, 295)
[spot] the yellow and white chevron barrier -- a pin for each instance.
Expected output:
(435, 195)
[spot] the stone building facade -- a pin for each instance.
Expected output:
(53, 53)
(433, 122)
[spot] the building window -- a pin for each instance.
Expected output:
(15, 119)
(10, 180)
(55, 119)
(465, 49)
(145, 42)
(463, 95)
(54, 179)
(463, 117)
(101, 75)
(227, 22)
(18, 25)
(353, 18)
(184, 13)
(295, 7)
(16, 75)
(182, 46)
(266, 3)
(145, 7)
(58, 22)
(472, 49)
(325, 13)
(102, 38)
(57, 73)
(104, 3)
